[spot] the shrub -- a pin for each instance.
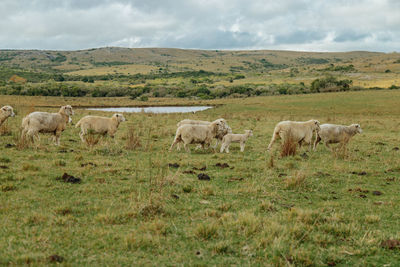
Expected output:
(144, 98)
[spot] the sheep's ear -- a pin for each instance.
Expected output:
(4, 108)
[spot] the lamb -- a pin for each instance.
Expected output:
(99, 125)
(235, 138)
(5, 112)
(298, 132)
(332, 134)
(44, 122)
(222, 131)
(196, 134)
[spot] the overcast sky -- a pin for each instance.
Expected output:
(307, 25)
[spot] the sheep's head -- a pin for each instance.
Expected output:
(223, 128)
(357, 128)
(249, 132)
(67, 110)
(217, 127)
(8, 111)
(119, 117)
(316, 125)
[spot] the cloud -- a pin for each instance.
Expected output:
(312, 25)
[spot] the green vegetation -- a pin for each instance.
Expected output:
(309, 60)
(134, 204)
(348, 68)
(59, 58)
(330, 84)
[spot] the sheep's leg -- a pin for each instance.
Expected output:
(172, 145)
(242, 146)
(202, 145)
(309, 142)
(216, 143)
(178, 147)
(227, 148)
(176, 141)
(37, 136)
(31, 135)
(327, 145)
(23, 133)
(112, 137)
(222, 148)
(275, 136)
(82, 136)
(317, 140)
(57, 138)
(185, 145)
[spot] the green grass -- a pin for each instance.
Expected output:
(131, 207)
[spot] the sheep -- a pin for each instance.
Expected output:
(222, 131)
(99, 125)
(44, 122)
(196, 134)
(332, 134)
(5, 112)
(235, 138)
(299, 132)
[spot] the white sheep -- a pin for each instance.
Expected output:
(222, 130)
(44, 122)
(5, 112)
(333, 134)
(196, 134)
(99, 125)
(235, 138)
(298, 131)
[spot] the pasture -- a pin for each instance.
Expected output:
(139, 204)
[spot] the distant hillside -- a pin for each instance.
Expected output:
(145, 60)
(167, 72)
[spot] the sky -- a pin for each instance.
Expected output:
(299, 25)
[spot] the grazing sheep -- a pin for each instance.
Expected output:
(235, 138)
(332, 134)
(196, 134)
(99, 125)
(222, 131)
(299, 132)
(44, 122)
(5, 112)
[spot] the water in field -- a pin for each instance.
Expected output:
(172, 109)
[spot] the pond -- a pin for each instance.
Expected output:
(170, 109)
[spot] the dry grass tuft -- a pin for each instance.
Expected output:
(136, 240)
(21, 143)
(206, 231)
(222, 247)
(5, 129)
(132, 139)
(296, 181)
(289, 146)
(92, 139)
(271, 162)
(152, 210)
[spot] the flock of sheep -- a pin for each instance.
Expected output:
(188, 132)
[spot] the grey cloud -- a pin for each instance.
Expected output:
(208, 24)
(300, 37)
(350, 36)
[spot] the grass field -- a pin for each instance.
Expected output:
(133, 207)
